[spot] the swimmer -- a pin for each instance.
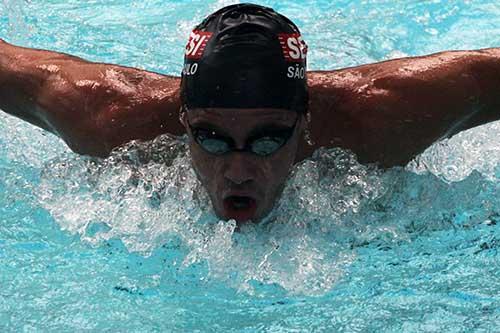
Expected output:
(244, 99)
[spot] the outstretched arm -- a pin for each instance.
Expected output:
(93, 107)
(389, 112)
(386, 113)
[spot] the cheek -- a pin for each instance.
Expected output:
(202, 165)
(278, 169)
(209, 171)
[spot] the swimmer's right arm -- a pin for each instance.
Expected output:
(93, 107)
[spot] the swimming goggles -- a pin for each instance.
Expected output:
(262, 143)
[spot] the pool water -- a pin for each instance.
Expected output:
(130, 243)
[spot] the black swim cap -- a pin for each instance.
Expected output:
(245, 56)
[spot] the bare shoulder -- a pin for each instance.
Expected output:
(101, 106)
(139, 105)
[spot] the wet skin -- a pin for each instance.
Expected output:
(386, 113)
(243, 174)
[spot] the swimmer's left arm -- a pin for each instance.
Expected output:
(389, 112)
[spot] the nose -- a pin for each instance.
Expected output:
(239, 169)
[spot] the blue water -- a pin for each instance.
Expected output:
(130, 243)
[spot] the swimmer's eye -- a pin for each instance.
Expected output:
(267, 145)
(210, 141)
(263, 143)
(215, 146)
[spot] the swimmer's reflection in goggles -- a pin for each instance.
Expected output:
(263, 143)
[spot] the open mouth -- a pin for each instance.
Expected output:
(240, 208)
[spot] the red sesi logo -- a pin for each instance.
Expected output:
(197, 42)
(293, 46)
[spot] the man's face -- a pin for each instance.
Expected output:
(242, 185)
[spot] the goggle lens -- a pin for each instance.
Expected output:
(267, 145)
(264, 145)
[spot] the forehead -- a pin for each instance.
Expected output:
(241, 116)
